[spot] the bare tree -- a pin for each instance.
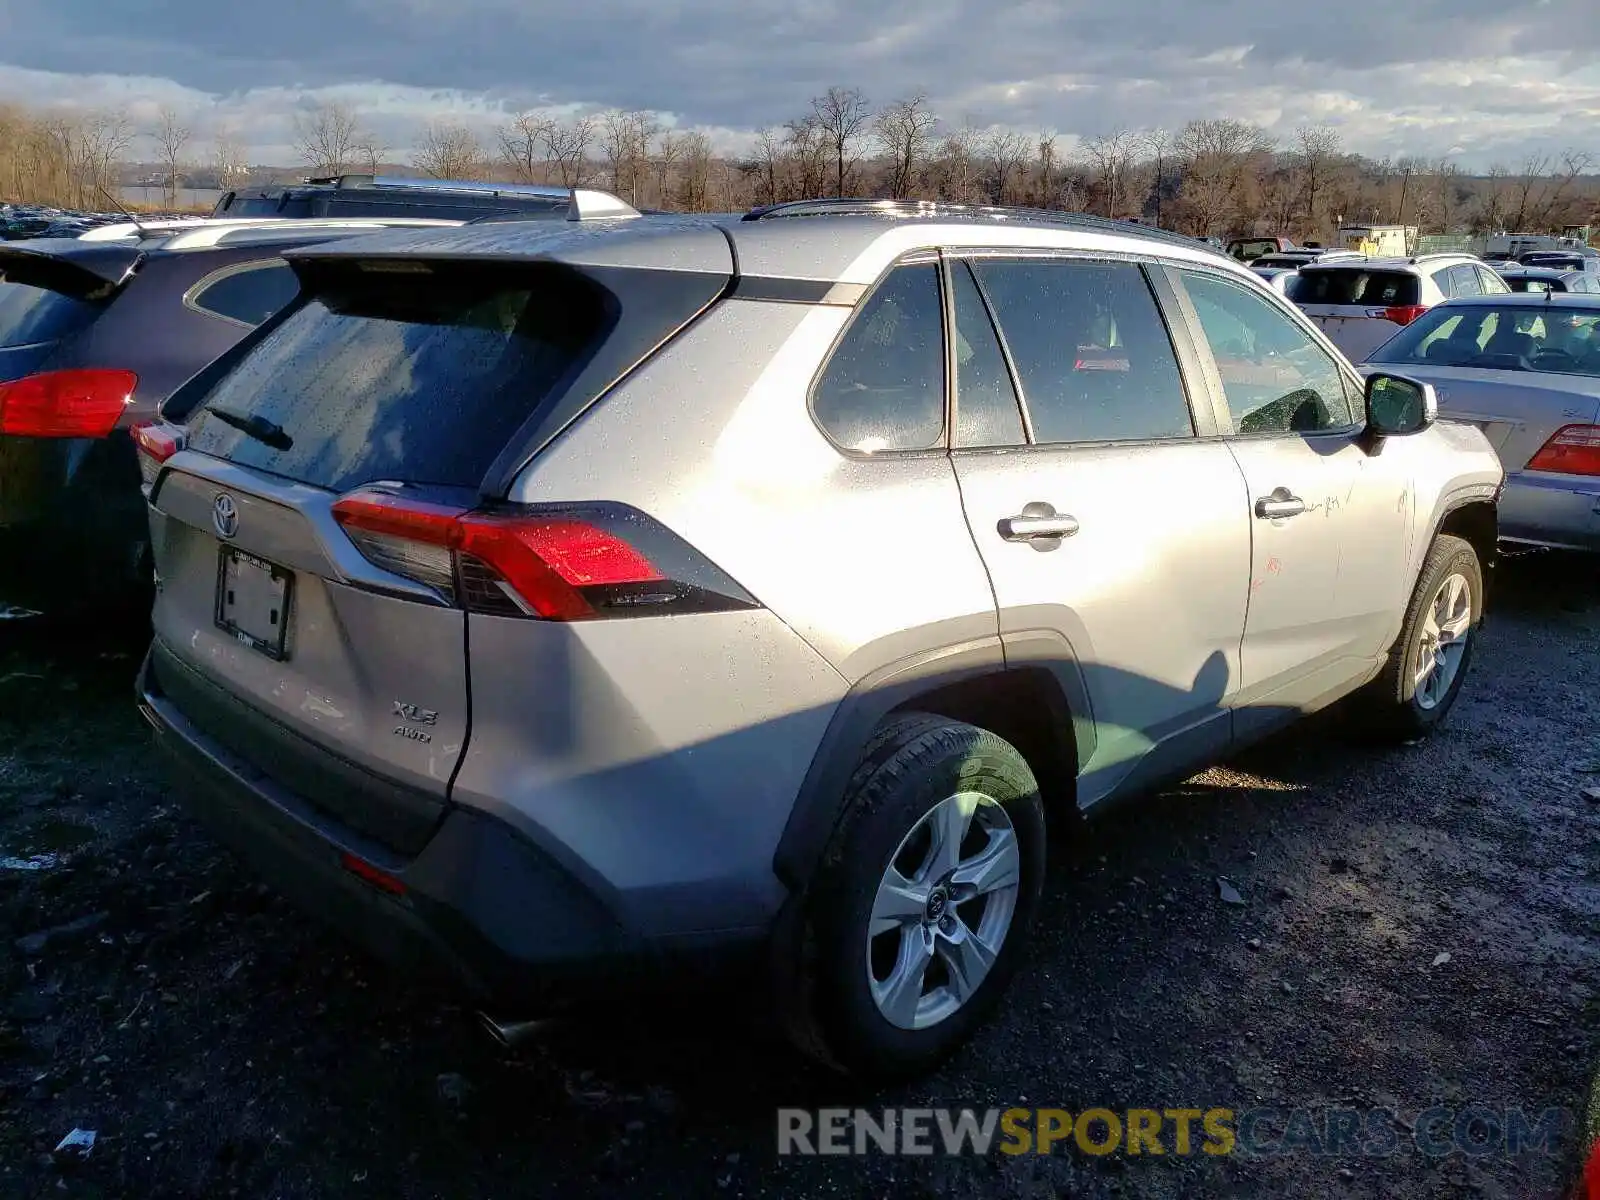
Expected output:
(325, 137)
(523, 142)
(1006, 153)
(1159, 145)
(569, 144)
(957, 166)
(905, 132)
(370, 152)
(1316, 148)
(449, 150)
(668, 150)
(1216, 155)
(171, 137)
(96, 144)
(228, 160)
(1111, 155)
(841, 116)
(694, 187)
(808, 146)
(1047, 154)
(769, 163)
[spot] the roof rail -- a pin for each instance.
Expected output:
(226, 233)
(460, 185)
(118, 230)
(848, 206)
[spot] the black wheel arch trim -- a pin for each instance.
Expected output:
(820, 802)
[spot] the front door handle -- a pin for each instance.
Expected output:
(1281, 503)
(1038, 523)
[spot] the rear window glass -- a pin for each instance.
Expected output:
(29, 315)
(422, 378)
(1346, 286)
(1547, 338)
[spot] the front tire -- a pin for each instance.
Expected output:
(920, 911)
(1429, 661)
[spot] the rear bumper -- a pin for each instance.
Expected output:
(73, 528)
(483, 912)
(1561, 511)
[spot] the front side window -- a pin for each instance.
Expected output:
(1091, 351)
(1274, 375)
(883, 387)
(1493, 285)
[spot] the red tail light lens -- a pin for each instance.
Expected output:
(566, 564)
(66, 404)
(1404, 314)
(158, 441)
(1572, 450)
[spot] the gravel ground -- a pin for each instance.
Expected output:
(221, 1045)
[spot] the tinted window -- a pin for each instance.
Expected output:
(422, 378)
(1444, 281)
(1564, 341)
(249, 295)
(1275, 377)
(1493, 285)
(1333, 285)
(1464, 281)
(883, 389)
(29, 315)
(1091, 352)
(986, 403)
(1528, 283)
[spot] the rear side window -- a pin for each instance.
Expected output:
(416, 377)
(1385, 289)
(246, 294)
(883, 387)
(1090, 349)
(29, 315)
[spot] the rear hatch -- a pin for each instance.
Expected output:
(50, 292)
(303, 620)
(1359, 308)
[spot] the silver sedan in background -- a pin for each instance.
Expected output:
(1526, 370)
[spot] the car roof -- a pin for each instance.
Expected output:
(1415, 264)
(1538, 273)
(846, 241)
(1526, 300)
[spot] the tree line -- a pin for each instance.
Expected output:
(1211, 176)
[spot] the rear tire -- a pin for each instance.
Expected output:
(920, 911)
(1429, 661)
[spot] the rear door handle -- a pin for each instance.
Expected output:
(1281, 503)
(1038, 523)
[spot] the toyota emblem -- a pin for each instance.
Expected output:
(225, 515)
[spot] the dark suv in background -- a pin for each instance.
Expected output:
(95, 332)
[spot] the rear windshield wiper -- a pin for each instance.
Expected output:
(269, 433)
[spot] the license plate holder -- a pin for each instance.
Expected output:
(253, 598)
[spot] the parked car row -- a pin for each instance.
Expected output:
(1529, 377)
(628, 596)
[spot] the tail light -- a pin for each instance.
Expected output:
(66, 404)
(1572, 450)
(156, 442)
(556, 564)
(1404, 314)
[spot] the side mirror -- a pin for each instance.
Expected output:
(1397, 406)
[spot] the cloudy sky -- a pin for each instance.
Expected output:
(1482, 80)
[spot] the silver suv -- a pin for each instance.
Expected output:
(547, 603)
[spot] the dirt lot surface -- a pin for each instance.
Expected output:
(220, 1044)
